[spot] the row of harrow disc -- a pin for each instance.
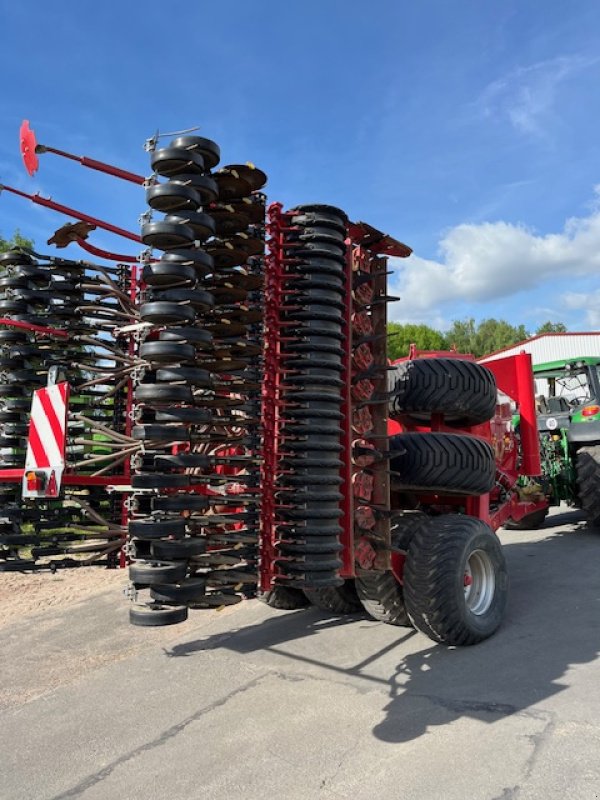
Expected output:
(193, 515)
(75, 299)
(313, 328)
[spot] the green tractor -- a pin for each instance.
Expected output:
(568, 415)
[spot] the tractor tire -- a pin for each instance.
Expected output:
(463, 391)
(442, 462)
(530, 522)
(380, 593)
(442, 556)
(588, 482)
(335, 599)
(285, 598)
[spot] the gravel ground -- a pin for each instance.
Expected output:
(23, 594)
(305, 705)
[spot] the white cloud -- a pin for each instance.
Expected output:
(492, 260)
(527, 95)
(588, 303)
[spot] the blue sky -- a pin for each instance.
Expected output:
(470, 130)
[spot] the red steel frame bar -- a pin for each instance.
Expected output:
(69, 478)
(380, 470)
(92, 163)
(71, 212)
(514, 376)
(96, 251)
(270, 396)
(347, 518)
(29, 326)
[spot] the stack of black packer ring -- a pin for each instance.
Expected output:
(236, 325)
(312, 317)
(55, 294)
(193, 535)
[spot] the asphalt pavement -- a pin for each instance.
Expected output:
(254, 702)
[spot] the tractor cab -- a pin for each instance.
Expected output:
(568, 392)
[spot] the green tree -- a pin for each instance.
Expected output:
(15, 241)
(462, 335)
(552, 327)
(400, 338)
(486, 337)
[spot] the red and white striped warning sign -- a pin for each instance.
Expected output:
(47, 427)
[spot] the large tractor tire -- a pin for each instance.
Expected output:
(588, 481)
(285, 598)
(442, 462)
(335, 599)
(455, 580)
(379, 592)
(463, 391)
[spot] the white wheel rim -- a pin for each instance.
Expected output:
(479, 582)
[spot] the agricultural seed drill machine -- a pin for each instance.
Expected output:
(225, 402)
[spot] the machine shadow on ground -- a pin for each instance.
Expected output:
(552, 623)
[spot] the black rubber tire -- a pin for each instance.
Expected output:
(285, 598)
(530, 522)
(434, 580)
(191, 590)
(160, 481)
(208, 149)
(464, 391)
(170, 161)
(172, 197)
(15, 256)
(198, 337)
(163, 313)
(167, 235)
(154, 529)
(151, 573)
(166, 352)
(201, 261)
(379, 592)
(155, 614)
(336, 599)
(197, 298)
(587, 464)
(179, 549)
(442, 462)
(186, 414)
(202, 224)
(186, 501)
(183, 461)
(311, 562)
(13, 336)
(205, 185)
(165, 273)
(161, 433)
(188, 375)
(163, 393)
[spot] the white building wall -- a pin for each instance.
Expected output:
(552, 347)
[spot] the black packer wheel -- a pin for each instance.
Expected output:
(455, 580)
(155, 614)
(335, 599)
(464, 391)
(529, 522)
(285, 598)
(588, 482)
(379, 592)
(442, 462)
